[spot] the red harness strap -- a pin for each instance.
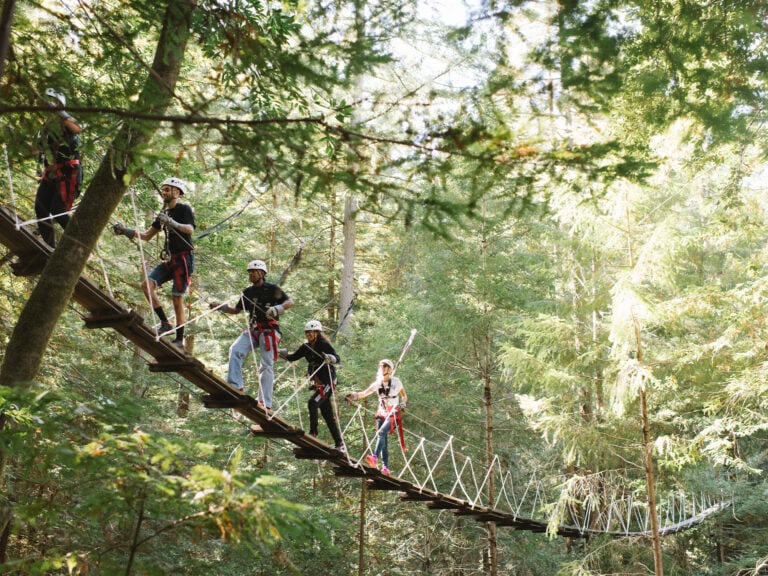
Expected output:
(67, 181)
(177, 265)
(320, 387)
(271, 338)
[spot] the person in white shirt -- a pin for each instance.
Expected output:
(392, 400)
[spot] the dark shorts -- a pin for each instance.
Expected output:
(178, 269)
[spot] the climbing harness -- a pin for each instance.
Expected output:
(269, 329)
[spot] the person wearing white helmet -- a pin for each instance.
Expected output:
(264, 302)
(392, 400)
(177, 221)
(321, 360)
(61, 171)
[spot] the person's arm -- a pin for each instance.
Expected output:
(226, 308)
(132, 233)
(297, 355)
(277, 309)
(70, 123)
(148, 234)
(367, 392)
(331, 357)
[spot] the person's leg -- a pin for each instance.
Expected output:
(46, 192)
(180, 269)
(312, 405)
(239, 349)
(149, 287)
(178, 310)
(266, 370)
(383, 441)
(326, 409)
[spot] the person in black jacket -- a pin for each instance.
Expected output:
(62, 173)
(321, 358)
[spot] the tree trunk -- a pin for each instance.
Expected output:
(6, 19)
(332, 310)
(184, 397)
(347, 286)
(648, 461)
(361, 531)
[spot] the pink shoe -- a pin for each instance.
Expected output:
(372, 460)
(385, 470)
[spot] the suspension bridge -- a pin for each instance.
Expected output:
(437, 476)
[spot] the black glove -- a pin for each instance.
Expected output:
(121, 230)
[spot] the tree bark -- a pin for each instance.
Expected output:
(347, 285)
(648, 461)
(6, 19)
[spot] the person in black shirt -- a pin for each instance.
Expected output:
(321, 358)
(178, 262)
(62, 175)
(264, 302)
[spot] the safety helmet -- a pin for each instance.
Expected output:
(313, 325)
(51, 93)
(387, 362)
(257, 265)
(176, 183)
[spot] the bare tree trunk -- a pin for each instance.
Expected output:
(332, 310)
(182, 404)
(6, 19)
(361, 532)
(648, 460)
(347, 286)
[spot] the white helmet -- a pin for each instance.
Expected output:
(313, 325)
(387, 362)
(51, 93)
(257, 265)
(176, 183)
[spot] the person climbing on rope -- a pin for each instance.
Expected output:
(62, 172)
(264, 302)
(177, 220)
(389, 412)
(321, 371)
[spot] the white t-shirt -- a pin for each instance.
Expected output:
(388, 392)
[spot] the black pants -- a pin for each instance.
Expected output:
(322, 400)
(47, 203)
